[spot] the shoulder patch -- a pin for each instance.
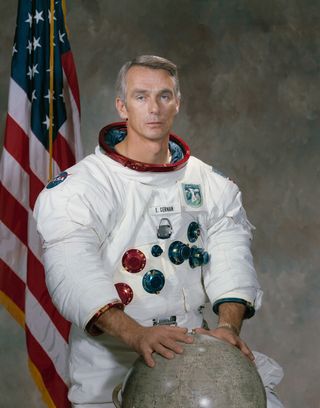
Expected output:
(57, 180)
(192, 194)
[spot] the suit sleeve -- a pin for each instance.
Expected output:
(230, 275)
(72, 222)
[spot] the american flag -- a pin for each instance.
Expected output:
(41, 51)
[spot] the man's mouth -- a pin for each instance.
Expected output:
(154, 123)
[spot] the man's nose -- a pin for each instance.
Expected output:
(154, 106)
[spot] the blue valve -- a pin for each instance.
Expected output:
(198, 257)
(156, 250)
(178, 252)
(206, 258)
(153, 281)
(193, 231)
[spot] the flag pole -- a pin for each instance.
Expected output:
(51, 88)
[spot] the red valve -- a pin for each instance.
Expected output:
(134, 260)
(125, 292)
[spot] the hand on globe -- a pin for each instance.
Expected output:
(229, 335)
(159, 339)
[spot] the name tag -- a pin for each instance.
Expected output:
(165, 209)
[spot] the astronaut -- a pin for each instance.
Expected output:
(138, 236)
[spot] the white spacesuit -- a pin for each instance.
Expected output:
(161, 240)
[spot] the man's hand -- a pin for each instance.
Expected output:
(230, 317)
(160, 339)
(230, 336)
(144, 340)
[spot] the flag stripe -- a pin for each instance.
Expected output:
(40, 384)
(36, 186)
(33, 238)
(13, 176)
(71, 75)
(17, 146)
(53, 382)
(37, 286)
(19, 106)
(12, 308)
(70, 130)
(11, 211)
(12, 285)
(51, 341)
(13, 252)
(62, 153)
(39, 160)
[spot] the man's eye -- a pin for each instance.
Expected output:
(165, 97)
(140, 97)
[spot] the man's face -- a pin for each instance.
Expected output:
(151, 104)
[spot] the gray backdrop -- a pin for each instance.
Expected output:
(251, 107)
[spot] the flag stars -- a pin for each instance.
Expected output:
(61, 35)
(33, 96)
(14, 50)
(29, 46)
(48, 95)
(29, 19)
(47, 122)
(29, 73)
(38, 16)
(49, 15)
(32, 71)
(36, 43)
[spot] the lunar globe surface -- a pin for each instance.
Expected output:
(210, 373)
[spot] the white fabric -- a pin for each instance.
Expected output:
(271, 374)
(101, 210)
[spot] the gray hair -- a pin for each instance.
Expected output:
(149, 61)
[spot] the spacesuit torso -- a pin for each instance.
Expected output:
(161, 242)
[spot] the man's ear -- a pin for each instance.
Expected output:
(121, 108)
(177, 106)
